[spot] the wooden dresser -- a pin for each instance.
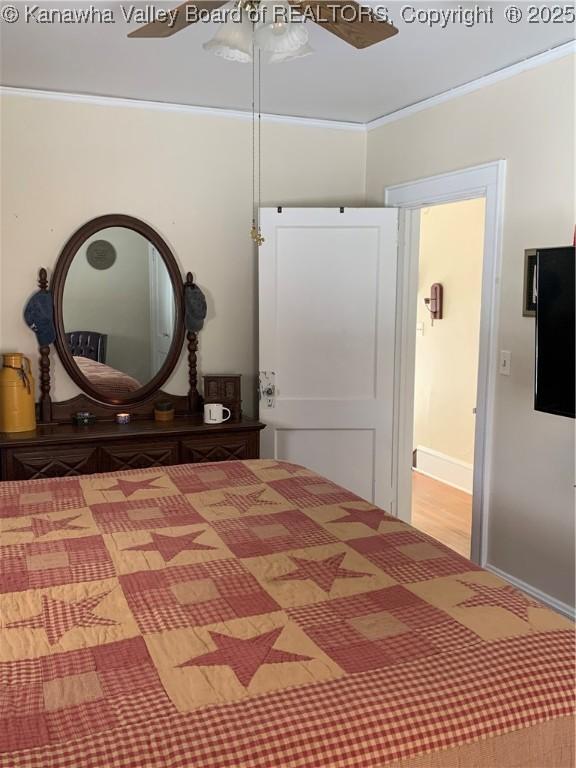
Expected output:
(65, 450)
(59, 447)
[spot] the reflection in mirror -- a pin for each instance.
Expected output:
(118, 310)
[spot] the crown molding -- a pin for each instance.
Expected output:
(546, 57)
(187, 109)
(553, 54)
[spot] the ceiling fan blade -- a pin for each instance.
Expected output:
(360, 29)
(166, 29)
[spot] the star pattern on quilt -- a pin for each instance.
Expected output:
(244, 501)
(58, 617)
(322, 572)
(505, 597)
(370, 517)
(289, 469)
(41, 526)
(129, 487)
(244, 656)
(170, 546)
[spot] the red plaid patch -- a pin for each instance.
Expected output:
(67, 696)
(47, 564)
(266, 534)
(189, 595)
(144, 514)
(367, 633)
(311, 491)
(40, 496)
(209, 477)
(384, 551)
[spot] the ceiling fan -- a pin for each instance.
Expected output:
(357, 25)
(259, 28)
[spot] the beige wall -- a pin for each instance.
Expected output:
(451, 250)
(187, 175)
(528, 120)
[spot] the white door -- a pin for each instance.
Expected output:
(327, 327)
(161, 310)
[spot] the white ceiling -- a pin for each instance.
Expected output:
(338, 82)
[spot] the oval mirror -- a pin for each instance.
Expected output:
(118, 309)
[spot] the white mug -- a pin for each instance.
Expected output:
(214, 413)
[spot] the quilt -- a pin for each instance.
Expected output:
(255, 615)
(106, 378)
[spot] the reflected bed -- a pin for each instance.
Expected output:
(105, 378)
(254, 615)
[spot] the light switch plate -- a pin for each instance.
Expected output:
(505, 361)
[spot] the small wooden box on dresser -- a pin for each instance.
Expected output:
(65, 450)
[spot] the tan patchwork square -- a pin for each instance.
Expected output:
(238, 501)
(154, 484)
(70, 691)
(274, 531)
(491, 622)
(375, 626)
(143, 550)
(196, 591)
(35, 498)
(422, 551)
(223, 663)
(63, 618)
(152, 513)
(284, 574)
(47, 561)
(444, 593)
(214, 475)
(320, 489)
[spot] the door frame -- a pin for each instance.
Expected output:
(487, 181)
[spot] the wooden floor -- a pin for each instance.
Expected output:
(442, 512)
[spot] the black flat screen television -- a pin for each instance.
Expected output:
(555, 335)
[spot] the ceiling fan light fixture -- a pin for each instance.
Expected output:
(233, 40)
(276, 32)
(278, 58)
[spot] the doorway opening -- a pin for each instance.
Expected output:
(447, 331)
(485, 181)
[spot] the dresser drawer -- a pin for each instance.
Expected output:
(229, 447)
(138, 455)
(57, 461)
(63, 450)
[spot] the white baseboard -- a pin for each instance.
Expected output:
(551, 602)
(441, 467)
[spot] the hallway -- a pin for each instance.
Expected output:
(443, 512)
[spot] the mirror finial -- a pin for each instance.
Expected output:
(42, 279)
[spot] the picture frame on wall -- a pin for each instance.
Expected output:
(529, 293)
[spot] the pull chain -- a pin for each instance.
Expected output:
(260, 238)
(255, 232)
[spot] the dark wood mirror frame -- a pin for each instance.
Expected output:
(58, 281)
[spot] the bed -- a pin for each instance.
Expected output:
(105, 378)
(254, 615)
(89, 348)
